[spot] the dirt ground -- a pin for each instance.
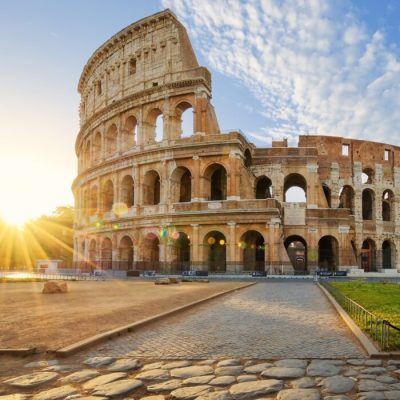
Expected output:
(29, 318)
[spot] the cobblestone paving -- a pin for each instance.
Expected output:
(228, 379)
(268, 320)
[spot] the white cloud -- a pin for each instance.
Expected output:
(312, 65)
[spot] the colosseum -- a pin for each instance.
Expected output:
(152, 194)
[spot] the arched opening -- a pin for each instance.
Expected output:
(247, 158)
(154, 127)
(387, 205)
(388, 254)
(215, 251)
(346, 198)
(97, 147)
(106, 254)
(328, 253)
(181, 185)
(129, 133)
(151, 252)
(184, 119)
(151, 188)
(108, 196)
(87, 158)
(128, 191)
(216, 175)
(296, 248)
(125, 254)
(367, 176)
(111, 140)
(368, 205)
(253, 251)
(182, 251)
(368, 256)
(328, 196)
(295, 189)
(159, 129)
(93, 201)
(92, 254)
(263, 188)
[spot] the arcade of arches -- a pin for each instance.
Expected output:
(161, 186)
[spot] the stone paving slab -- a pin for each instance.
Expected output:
(268, 320)
(324, 384)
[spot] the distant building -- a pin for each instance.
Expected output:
(151, 196)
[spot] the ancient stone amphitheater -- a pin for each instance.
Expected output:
(153, 195)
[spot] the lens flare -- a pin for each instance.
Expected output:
(120, 209)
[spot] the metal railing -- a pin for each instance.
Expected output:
(380, 330)
(24, 275)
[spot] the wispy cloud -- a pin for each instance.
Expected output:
(313, 65)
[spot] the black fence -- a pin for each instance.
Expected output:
(380, 330)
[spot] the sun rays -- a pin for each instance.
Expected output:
(47, 237)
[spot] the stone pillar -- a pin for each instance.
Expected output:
(335, 188)
(312, 186)
(195, 257)
(199, 113)
(232, 264)
(233, 189)
(312, 249)
(115, 251)
(273, 245)
(196, 179)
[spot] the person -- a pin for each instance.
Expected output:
(316, 274)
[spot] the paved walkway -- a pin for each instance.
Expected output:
(268, 320)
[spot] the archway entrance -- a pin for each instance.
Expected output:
(151, 252)
(328, 253)
(126, 254)
(296, 248)
(106, 254)
(368, 255)
(182, 251)
(388, 254)
(253, 251)
(215, 248)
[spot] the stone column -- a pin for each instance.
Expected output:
(195, 248)
(312, 186)
(196, 179)
(115, 251)
(233, 189)
(232, 264)
(273, 245)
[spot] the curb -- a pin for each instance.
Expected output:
(364, 340)
(18, 352)
(82, 344)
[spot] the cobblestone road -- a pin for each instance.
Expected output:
(268, 320)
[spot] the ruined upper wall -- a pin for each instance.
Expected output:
(147, 54)
(346, 152)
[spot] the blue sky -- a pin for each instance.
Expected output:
(280, 68)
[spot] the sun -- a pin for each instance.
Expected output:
(18, 220)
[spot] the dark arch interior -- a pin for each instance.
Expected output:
(368, 255)
(327, 193)
(218, 184)
(296, 248)
(367, 205)
(215, 244)
(328, 253)
(125, 254)
(253, 247)
(264, 188)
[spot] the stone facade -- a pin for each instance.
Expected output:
(150, 195)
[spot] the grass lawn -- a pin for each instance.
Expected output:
(380, 298)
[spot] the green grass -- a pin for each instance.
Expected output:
(380, 298)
